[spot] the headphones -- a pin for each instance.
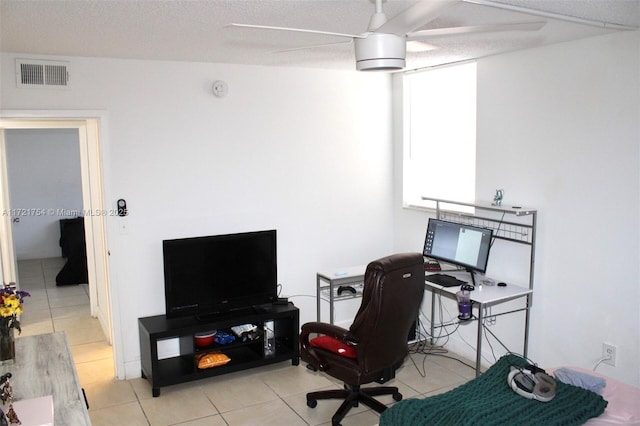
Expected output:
(532, 383)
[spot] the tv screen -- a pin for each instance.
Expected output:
(462, 245)
(213, 274)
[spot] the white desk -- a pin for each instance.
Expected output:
(482, 296)
(327, 284)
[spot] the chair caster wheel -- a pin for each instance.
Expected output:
(397, 396)
(312, 403)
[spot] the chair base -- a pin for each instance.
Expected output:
(353, 395)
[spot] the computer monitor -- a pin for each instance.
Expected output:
(461, 245)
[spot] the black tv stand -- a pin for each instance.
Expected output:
(231, 313)
(260, 309)
(182, 367)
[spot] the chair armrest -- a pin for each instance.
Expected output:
(324, 329)
(334, 331)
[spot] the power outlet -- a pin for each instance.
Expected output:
(609, 352)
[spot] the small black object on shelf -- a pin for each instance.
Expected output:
(345, 289)
(432, 265)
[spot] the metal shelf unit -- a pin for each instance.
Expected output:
(491, 216)
(519, 228)
(328, 283)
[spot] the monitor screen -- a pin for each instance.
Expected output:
(462, 245)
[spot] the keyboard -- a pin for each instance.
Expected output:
(445, 280)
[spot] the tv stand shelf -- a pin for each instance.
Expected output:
(183, 367)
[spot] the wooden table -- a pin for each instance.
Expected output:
(44, 366)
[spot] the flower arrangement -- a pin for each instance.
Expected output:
(10, 307)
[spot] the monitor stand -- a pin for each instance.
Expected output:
(473, 277)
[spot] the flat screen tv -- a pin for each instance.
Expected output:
(205, 276)
(458, 244)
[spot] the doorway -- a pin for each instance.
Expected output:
(92, 195)
(45, 190)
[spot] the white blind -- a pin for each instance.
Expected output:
(440, 134)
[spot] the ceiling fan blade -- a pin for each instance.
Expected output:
(299, 30)
(313, 46)
(472, 29)
(419, 46)
(415, 16)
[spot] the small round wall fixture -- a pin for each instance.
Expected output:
(220, 88)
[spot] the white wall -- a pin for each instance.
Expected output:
(44, 179)
(304, 151)
(558, 129)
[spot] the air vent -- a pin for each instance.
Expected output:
(45, 74)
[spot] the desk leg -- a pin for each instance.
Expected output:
(331, 302)
(318, 307)
(433, 310)
(479, 339)
(526, 327)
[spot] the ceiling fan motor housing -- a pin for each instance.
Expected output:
(380, 52)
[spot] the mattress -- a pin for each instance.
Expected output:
(623, 406)
(462, 405)
(489, 400)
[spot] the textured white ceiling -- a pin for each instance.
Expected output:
(194, 30)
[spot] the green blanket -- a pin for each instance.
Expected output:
(488, 400)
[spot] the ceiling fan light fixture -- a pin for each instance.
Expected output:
(381, 65)
(380, 52)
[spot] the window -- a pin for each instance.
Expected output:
(440, 134)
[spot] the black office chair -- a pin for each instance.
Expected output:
(376, 343)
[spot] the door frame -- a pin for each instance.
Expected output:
(7, 247)
(91, 126)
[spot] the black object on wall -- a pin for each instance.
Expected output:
(73, 244)
(122, 207)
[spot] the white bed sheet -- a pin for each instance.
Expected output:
(623, 399)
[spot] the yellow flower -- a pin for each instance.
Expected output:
(11, 301)
(10, 307)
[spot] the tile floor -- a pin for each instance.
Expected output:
(271, 395)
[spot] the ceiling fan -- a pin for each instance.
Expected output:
(383, 46)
